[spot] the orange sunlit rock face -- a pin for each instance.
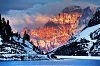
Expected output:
(47, 38)
(64, 18)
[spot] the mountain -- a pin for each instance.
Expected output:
(87, 14)
(13, 47)
(86, 43)
(61, 27)
(72, 9)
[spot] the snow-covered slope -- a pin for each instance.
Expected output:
(28, 47)
(86, 35)
(17, 50)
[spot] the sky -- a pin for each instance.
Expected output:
(35, 13)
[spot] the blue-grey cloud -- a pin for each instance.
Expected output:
(6, 5)
(95, 2)
(19, 10)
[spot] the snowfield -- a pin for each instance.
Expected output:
(86, 33)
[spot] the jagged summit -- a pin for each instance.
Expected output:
(72, 9)
(87, 12)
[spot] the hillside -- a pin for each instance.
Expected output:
(14, 47)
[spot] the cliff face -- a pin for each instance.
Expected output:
(61, 27)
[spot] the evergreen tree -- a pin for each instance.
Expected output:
(26, 37)
(3, 33)
(0, 24)
(8, 30)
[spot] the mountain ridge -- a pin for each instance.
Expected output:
(64, 25)
(86, 43)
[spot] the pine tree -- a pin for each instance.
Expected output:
(0, 17)
(0, 23)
